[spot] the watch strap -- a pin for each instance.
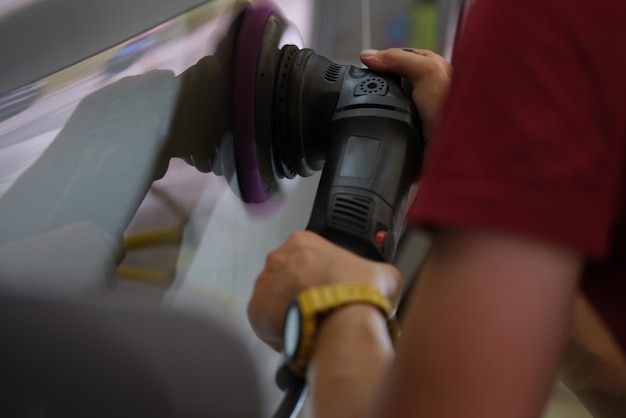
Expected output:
(323, 299)
(316, 302)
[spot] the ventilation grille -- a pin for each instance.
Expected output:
(351, 212)
(332, 73)
(372, 85)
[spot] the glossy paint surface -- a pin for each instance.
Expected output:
(117, 177)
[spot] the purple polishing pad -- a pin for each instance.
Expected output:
(247, 50)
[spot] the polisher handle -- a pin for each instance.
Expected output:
(372, 160)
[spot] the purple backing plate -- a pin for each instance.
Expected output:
(247, 52)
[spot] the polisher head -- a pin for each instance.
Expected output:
(262, 33)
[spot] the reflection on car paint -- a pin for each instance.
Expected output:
(20, 99)
(92, 143)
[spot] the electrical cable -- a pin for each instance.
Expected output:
(295, 389)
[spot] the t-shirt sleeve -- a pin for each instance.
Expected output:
(532, 138)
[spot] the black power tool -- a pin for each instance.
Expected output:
(295, 113)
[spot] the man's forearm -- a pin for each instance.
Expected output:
(352, 353)
(483, 329)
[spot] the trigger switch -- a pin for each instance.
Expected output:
(381, 234)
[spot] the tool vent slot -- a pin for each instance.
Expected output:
(372, 85)
(352, 212)
(332, 73)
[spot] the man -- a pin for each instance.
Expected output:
(522, 188)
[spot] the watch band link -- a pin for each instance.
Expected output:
(316, 302)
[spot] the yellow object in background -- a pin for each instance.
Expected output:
(423, 25)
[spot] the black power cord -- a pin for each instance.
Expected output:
(295, 389)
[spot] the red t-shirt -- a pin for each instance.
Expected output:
(533, 138)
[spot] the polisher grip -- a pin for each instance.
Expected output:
(371, 163)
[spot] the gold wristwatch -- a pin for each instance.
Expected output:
(306, 312)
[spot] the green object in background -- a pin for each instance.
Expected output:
(423, 25)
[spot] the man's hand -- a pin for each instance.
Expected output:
(429, 74)
(306, 260)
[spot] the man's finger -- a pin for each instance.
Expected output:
(410, 63)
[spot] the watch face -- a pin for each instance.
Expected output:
(291, 331)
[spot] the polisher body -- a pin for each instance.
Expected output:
(361, 129)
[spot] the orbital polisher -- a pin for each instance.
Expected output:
(296, 113)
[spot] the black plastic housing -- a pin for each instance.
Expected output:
(361, 129)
